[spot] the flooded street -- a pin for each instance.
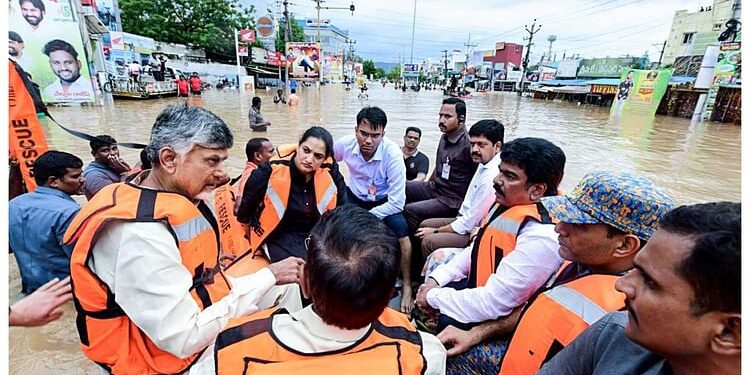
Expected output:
(695, 162)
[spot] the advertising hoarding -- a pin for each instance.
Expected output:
(606, 67)
(727, 72)
(640, 91)
(333, 67)
(266, 34)
(48, 45)
(303, 60)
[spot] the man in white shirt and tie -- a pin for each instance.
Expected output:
(486, 137)
(377, 182)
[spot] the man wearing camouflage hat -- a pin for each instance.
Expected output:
(603, 223)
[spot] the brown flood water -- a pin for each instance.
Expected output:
(695, 162)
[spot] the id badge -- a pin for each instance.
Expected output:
(446, 173)
(372, 192)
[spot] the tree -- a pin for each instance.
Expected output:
(395, 73)
(207, 24)
(379, 73)
(368, 67)
(298, 34)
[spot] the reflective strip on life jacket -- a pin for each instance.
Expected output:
(278, 204)
(328, 196)
(505, 225)
(191, 229)
(577, 303)
(556, 317)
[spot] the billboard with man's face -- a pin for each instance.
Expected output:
(46, 41)
(303, 60)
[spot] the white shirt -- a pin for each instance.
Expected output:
(141, 264)
(534, 260)
(25, 61)
(478, 198)
(304, 331)
(80, 89)
(385, 171)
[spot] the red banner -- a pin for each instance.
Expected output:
(25, 135)
(275, 58)
(247, 36)
(242, 50)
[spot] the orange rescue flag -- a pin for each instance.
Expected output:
(26, 139)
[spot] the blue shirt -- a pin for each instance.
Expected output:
(98, 176)
(37, 222)
(384, 175)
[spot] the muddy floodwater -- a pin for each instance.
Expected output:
(694, 161)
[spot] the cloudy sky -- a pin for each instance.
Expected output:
(591, 28)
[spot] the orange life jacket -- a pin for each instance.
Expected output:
(248, 346)
(232, 232)
(497, 238)
(26, 140)
(277, 197)
(556, 317)
(107, 335)
(240, 186)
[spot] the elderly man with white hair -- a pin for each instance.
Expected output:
(147, 286)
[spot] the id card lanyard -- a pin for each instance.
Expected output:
(445, 174)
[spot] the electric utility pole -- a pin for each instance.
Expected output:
(468, 45)
(525, 63)
(445, 61)
(287, 34)
(661, 54)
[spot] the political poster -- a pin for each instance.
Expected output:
(45, 39)
(640, 91)
(333, 67)
(109, 13)
(727, 72)
(303, 60)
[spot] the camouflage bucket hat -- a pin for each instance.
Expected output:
(630, 203)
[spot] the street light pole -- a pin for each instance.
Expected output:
(413, 24)
(287, 32)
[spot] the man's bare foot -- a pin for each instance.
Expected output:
(407, 301)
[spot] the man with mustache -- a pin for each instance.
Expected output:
(683, 300)
(149, 291)
(443, 193)
(33, 12)
(377, 178)
(515, 251)
(603, 224)
(63, 60)
(15, 50)
(486, 138)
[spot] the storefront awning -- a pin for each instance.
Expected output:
(262, 71)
